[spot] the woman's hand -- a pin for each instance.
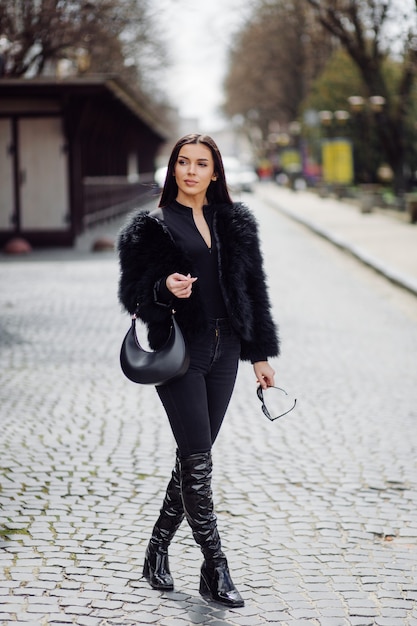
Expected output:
(179, 285)
(264, 374)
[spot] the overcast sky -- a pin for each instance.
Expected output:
(198, 35)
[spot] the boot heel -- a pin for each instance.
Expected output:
(156, 570)
(219, 587)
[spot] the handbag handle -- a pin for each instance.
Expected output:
(135, 315)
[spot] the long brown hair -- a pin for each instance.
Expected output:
(217, 191)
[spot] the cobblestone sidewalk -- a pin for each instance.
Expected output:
(317, 511)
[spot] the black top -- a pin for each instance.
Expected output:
(180, 223)
(148, 255)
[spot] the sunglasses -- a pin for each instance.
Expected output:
(278, 398)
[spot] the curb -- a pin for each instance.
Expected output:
(398, 278)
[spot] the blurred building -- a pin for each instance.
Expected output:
(73, 151)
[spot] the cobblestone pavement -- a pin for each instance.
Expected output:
(318, 510)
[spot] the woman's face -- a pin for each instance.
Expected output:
(194, 170)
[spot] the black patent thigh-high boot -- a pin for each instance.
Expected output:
(156, 566)
(215, 582)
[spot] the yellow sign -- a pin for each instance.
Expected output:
(337, 161)
(291, 160)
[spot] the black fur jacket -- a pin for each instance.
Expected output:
(147, 253)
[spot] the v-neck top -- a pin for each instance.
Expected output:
(180, 223)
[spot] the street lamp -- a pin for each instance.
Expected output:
(376, 103)
(294, 128)
(341, 116)
(361, 109)
(356, 103)
(327, 117)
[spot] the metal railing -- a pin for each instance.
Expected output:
(107, 197)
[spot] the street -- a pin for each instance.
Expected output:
(317, 510)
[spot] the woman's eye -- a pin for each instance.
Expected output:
(184, 162)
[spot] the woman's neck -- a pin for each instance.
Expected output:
(195, 203)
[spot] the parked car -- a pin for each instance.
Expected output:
(239, 176)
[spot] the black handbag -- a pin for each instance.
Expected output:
(158, 367)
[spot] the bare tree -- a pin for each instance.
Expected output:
(273, 61)
(365, 28)
(95, 36)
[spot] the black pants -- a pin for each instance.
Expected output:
(197, 402)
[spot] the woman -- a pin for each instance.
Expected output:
(198, 253)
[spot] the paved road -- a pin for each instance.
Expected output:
(318, 511)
